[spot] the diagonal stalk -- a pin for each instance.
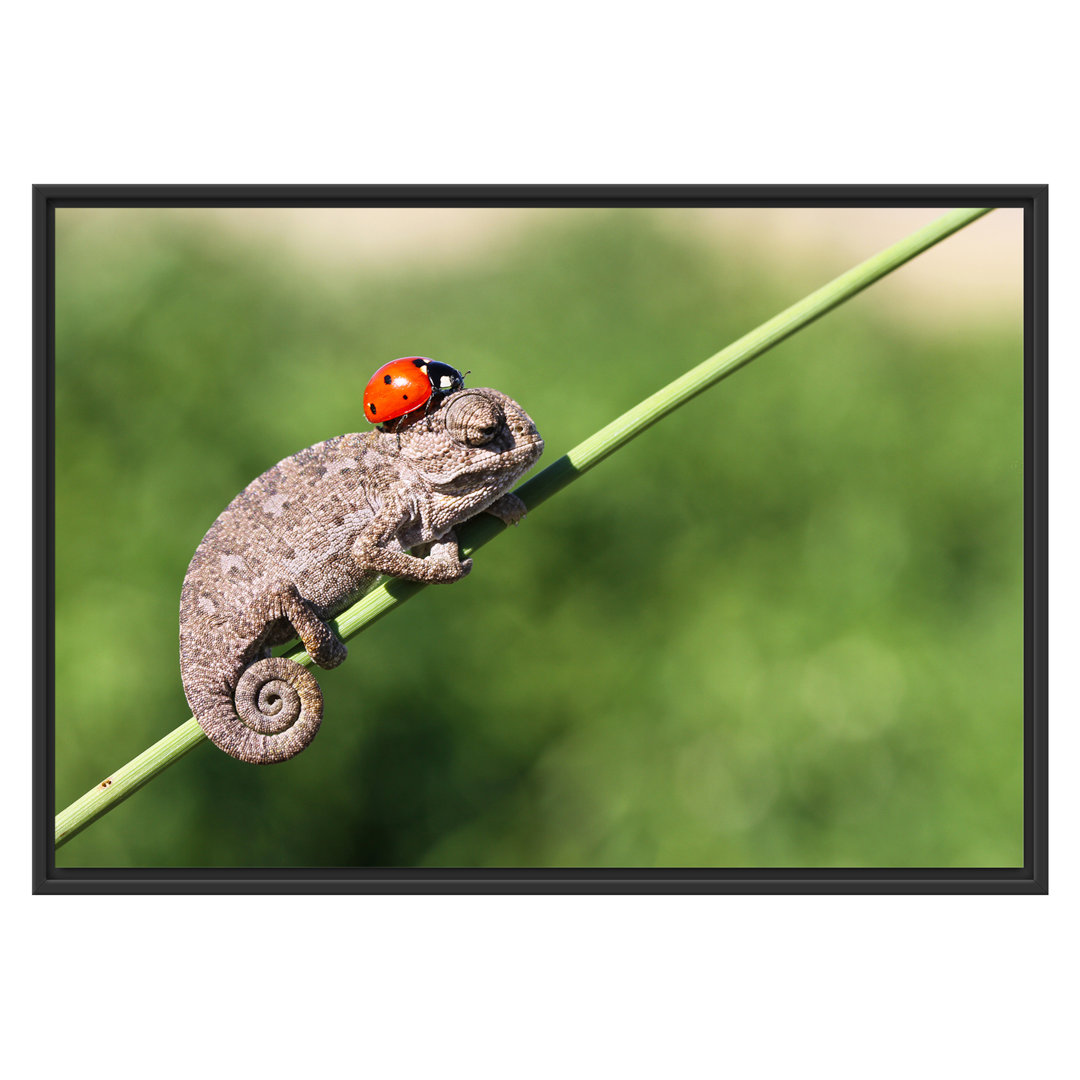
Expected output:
(474, 534)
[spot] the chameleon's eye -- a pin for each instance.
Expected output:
(473, 419)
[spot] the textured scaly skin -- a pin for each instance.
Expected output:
(305, 539)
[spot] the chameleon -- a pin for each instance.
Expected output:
(311, 534)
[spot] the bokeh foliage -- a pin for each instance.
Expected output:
(781, 628)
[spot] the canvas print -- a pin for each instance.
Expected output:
(781, 626)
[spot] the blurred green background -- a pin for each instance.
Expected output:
(783, 628)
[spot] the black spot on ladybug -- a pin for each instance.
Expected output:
(386, 379)
(418, 361)
(404, 397)
(372, 406)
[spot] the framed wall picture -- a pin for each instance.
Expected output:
(774, 620)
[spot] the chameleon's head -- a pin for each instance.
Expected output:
(477, 433)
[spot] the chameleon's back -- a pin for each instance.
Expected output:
(291, 524)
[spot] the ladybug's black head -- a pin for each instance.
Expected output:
(444, 378)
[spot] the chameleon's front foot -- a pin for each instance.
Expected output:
(440, 565)
(445, 562)
(509, 509)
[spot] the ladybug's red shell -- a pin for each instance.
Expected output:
(397, 388)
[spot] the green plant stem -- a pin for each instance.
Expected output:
(474, 534)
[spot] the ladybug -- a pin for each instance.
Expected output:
(405, 384)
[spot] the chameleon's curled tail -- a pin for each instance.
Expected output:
(275, 712)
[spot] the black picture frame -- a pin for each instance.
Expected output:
(1030, 879)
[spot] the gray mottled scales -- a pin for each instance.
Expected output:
(302, 541)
